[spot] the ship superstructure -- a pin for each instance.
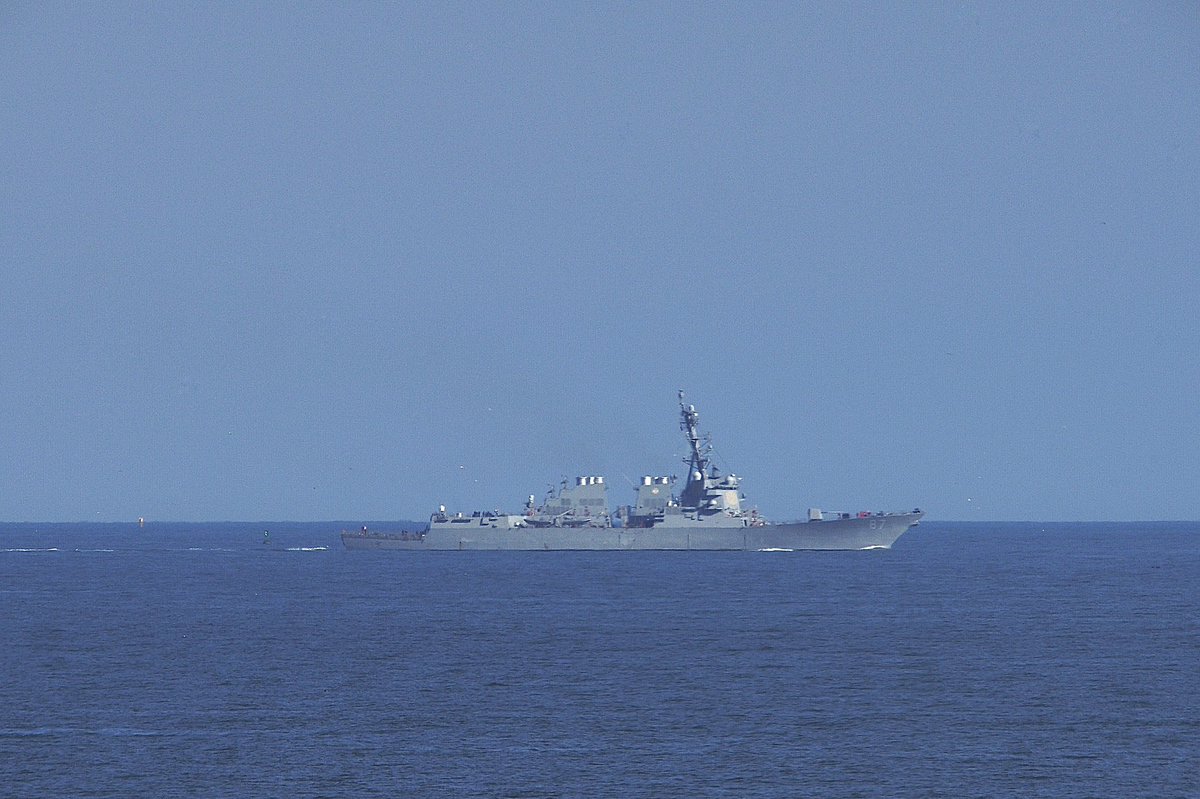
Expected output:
(707, 514)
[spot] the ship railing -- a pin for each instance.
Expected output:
(817, 515)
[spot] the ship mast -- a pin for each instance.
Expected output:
(694, 490)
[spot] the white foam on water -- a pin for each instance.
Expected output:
(95, 550)
(307, 549)
(775, 549)
(873, 546)
(31, 549)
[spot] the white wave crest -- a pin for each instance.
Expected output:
(307, 549)
(775, 549)
(32, 549)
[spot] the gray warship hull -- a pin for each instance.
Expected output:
(877, 531)
(706, 515)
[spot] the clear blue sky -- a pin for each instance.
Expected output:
(319, 261)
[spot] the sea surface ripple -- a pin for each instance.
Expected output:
(1048, 660)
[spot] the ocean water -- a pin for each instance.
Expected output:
(971, 660)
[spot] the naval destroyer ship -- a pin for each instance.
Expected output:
(707, 514)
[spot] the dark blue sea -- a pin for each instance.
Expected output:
(971, 660)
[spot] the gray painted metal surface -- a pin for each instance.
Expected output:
(706, 515)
